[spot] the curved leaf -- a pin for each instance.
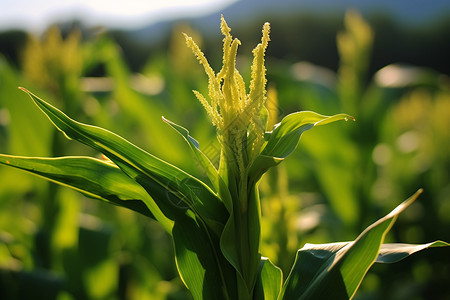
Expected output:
(284, 138)
(205, 162)
(197, 211)
(240, 241)
(337, 269)
(206, 274)
(94, 178)
(391, 253)
(269, 281)
(134, 161)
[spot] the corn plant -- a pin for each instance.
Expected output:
(215, 225)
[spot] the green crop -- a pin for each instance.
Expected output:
(216, 225)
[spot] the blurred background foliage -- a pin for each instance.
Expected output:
(56, 244)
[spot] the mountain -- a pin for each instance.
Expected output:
(407, 31)
(407, 12)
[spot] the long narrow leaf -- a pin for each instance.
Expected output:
(94, 178)
(391, 253)
(269, 281)
(336, 270)
(240, 242)
(284, 138)
(168, 178)
(181, 197)
(205, 162)
(206, 274)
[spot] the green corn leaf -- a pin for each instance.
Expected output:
(229, 248)
(269, 281)
(261, 164)
(284, 138)
(336, 270)
(140, 165)
(240, 242)
(198, 213)
(206, 274)
(391, 253)
(205, 162)
(94, 178)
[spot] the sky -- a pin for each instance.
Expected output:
(36, 15)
